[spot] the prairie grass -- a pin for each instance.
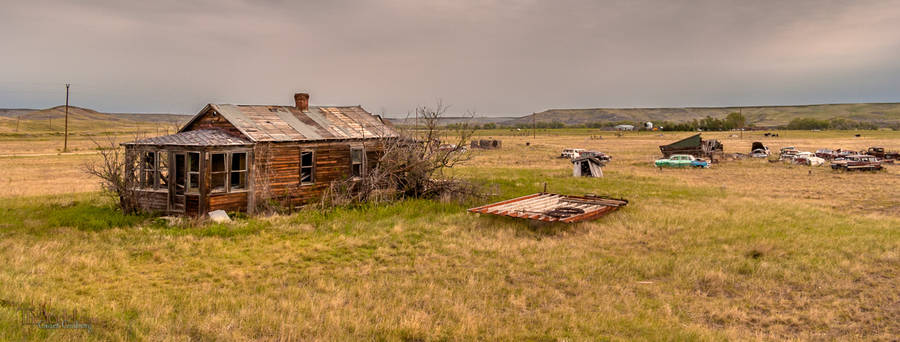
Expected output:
(746, 250)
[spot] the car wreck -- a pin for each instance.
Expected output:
(880, 153)
(571, 153)
(682, 160)
(859, 162)
(758, 150)
(549, 207)
(710, 149)
(808, 159)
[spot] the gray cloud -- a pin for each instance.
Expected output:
(497, 57)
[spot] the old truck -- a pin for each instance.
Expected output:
(682, 160)
(695, 146)
(880, 153)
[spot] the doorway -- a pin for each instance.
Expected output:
(177, 194)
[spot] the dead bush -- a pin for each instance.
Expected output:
(412, 165)
(112, 170)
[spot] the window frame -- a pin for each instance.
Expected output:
(312, 167)
(189, 189)
(153, 170)
(362, 161)
(229, 169)
(224, 172)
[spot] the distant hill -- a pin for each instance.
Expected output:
(454, 120)
(80, 119)
(879, 113)
(79, 113)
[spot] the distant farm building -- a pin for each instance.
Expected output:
(234, 157)
(624, 127)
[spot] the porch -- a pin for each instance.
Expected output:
(190, 173)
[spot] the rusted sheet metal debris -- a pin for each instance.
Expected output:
(549, 207)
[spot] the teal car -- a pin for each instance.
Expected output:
(682, 160)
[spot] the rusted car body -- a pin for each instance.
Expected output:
(860, 162)
(758, 150)
(880, 153)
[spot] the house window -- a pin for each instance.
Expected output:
(218, 173)
(148, 167)
(307, 167)
(238, 171)
(357, 160)
(194, 172)
(162, 170)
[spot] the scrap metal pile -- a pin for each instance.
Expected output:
(548, 207)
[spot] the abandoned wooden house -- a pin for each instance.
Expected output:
(236, 157)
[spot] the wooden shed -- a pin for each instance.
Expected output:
(235, 157)
(587, 166)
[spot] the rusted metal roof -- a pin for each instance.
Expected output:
(549, 207)
(287, 123)
(203, 137)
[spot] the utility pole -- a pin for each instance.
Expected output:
(741, 113)
(66, 139)
(18, 118)
(533, 125)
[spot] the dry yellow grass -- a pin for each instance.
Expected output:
(742, 251)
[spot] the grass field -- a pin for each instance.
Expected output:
(745, 250)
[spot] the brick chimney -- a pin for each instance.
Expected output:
(302, 101)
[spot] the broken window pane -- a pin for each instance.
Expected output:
(307, 167)
(148, 165)
(238, 161)
(193, 171)
(163, 169)
(356, 162)
(218, 162)
(194, 182)
(217, 182)
(238, 180)
(194, 161)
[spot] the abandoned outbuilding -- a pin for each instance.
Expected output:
(587, 166)
(235, 157)
(695, 146)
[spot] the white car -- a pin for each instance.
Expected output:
(808, 158)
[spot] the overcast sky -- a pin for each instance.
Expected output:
(492, 56)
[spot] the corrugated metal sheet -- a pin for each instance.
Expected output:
(549, 207)
(203, 137)
(286, 123)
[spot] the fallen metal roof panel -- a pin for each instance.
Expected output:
(549, 207)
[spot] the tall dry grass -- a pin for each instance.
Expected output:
(745, 250)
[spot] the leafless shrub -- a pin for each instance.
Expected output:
(412, 165)
(113, 171)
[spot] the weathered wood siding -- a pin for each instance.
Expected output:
(192, 205)
(212, 120)
(277, 168)
(153, 200)
(235, 201)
